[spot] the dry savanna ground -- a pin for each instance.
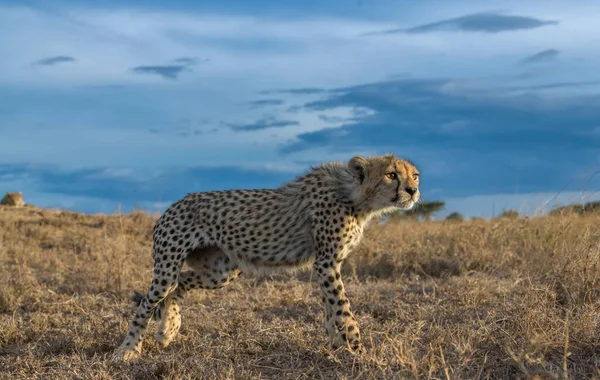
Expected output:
(499, 299)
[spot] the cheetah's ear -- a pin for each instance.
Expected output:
(358, 167)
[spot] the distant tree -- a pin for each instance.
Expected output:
(455, 216)
(422, 211)
(509, 214)
(426, 209)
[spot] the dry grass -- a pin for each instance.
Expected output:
(501, 299)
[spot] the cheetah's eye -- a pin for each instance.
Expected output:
(416, 176)
(391, 175)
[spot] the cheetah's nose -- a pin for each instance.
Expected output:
(411, 190)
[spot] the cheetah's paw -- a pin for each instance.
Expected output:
(126, 354)
(348, 336)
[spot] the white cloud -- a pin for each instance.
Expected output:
(134, 149)
(108, 43)
(258, 51)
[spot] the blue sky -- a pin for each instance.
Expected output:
(129, 103)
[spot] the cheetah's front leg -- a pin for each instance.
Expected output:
(340, 323)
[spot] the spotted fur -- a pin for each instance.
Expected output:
(315, 219)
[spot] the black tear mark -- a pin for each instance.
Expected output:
(397, 197)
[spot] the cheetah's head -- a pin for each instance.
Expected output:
(386, 182)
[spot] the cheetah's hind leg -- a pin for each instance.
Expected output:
(167, 314)
(211, 269)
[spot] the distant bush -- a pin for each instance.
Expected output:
(455, 216)
(577, 208)
(477, 219)
(510, 214)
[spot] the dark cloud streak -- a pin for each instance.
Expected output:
(51, 61)
(266, 102)
(263, 124)
(171, 72)
(296, 91)
(542, 56)
(488, 22)
(190, 61)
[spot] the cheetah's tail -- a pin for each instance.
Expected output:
(136, 299)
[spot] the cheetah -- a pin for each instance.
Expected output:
(315, 219)
(13, 199)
